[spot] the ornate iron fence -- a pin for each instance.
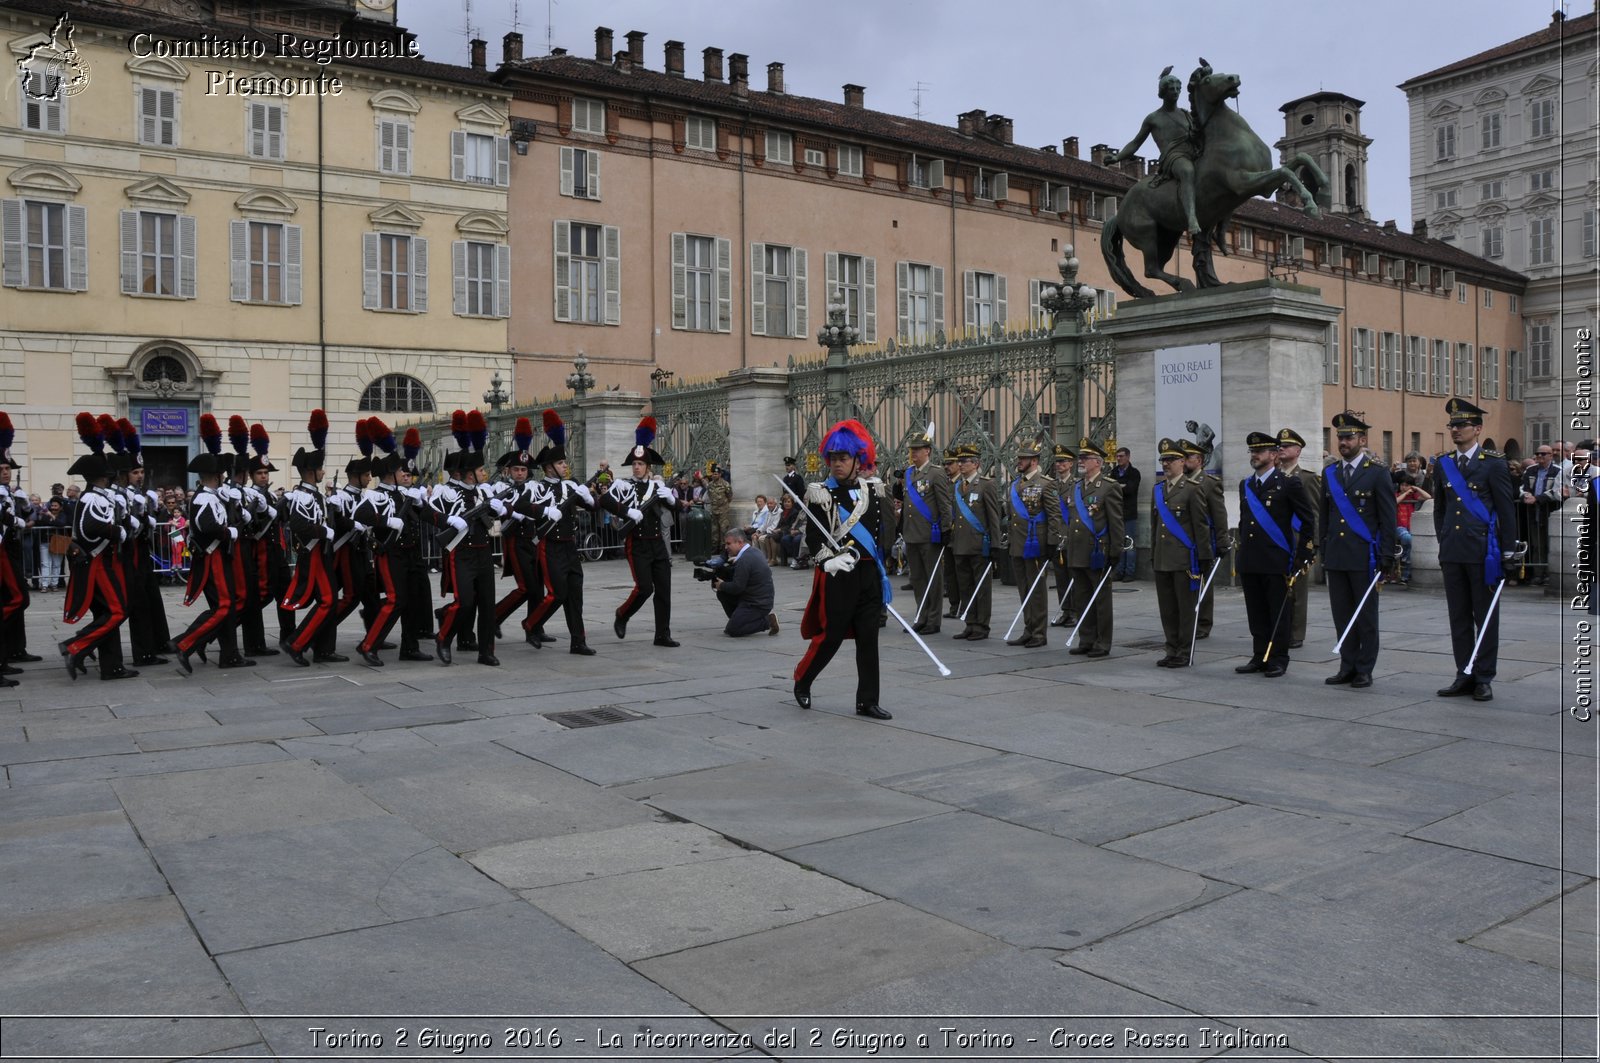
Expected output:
(691, 424)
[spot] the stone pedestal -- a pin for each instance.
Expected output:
(1425, 550)
(758, 431)
(607, 420)
(1272, 336)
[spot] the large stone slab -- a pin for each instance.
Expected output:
(829, 743)
(72, 862)
(103, 723)
(1538, 828)
(1016, 884)
(1487, 724)
(21, 803)
(131, 765)
(624, 752)
(224, 734)
(377, 719)
(1515, 769)
(241, 800)
(587, 855)
(65, 749)
(1357, 743)
(1559, 933)
(681, 907)
(775, 806)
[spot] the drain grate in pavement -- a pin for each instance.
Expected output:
(596, 717)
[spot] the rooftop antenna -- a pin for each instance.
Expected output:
(916, 99)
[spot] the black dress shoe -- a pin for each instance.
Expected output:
(6, 669)
(1482, 692)
(1253, 666)
(151, 662)
(25, 658)
(489, 659)
(415, 655)
(1079, 651)
(285, 645)
(329, 658)
(468, 645)
(120, 673)
(1035, 643)
(1202, 634)
(532, 638)
(1296, 644)
(236, 662)
(802, 696)
(668, 641)
(384, 646)
(582, 649)
(443, 649)
(1166, 662)
(1360, 680)
(1099, 653)
(4, 682)
(1459, 689)
(546, 638)
(74, 664)
(1344, 675)
(907, 587)
(951, 615)
(874, 711)
(1275, 671)
(961, 634)
(1177, 662)
(372, 658)
(1018, 641)
(620, 626)
(261, 651)
(1063, 622)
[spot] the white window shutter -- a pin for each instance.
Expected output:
(402, 148)
(902, 287)
(291, 264)
(239, 261)
(129, 224)
(802, 308)
(169, 115)
(458, 269)
(936, 173)
(255, 121)
(1036, 313)
(724, 285)
(613, 268)
(458, 157)
(370, 297)
(502, 280)
(567, 180)
(11, 242)
(386, 146)
(594, 175)
(830, 275)
(145, 104)
(680, 281)
(502, 161)
(275, 132)
(758, 289)
(187, 252)
(869, 300)
(419, 274)
(938, 298)
(563, 271)
(1000, 298)
(969, 286)
(77, 248)
(1001, 187)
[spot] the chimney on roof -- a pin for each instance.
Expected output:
(636, 48)
(855, 96)
(675, 58)
(480, 53)
(775, 78)
(1049, 149)
(969, 122)
(998, 128)
(1390, 227)
(739, 73)
(1557, 17)
(1098, 153)
(511, 48)
(1069, 147)
(602, 44)
(713, 64)
(558, 51)
(1419, 228)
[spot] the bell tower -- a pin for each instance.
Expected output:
(1327, 127)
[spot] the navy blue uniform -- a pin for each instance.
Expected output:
(1264, 567)
(1348, 560)
(1464, 545)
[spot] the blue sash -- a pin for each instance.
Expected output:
(1264, 519)
(1030, 546)
(971, 518)
(864, 538)
(1170, 522)
(1493, 571)
(1347, 510)
(1097, 559)
(922, 506)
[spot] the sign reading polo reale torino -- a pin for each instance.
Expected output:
(1189, 397)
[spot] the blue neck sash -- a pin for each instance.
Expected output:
(1493, 570)
(1258, 510)
(1030, 546)
(1335, 488)
(1170, 522)
(1097, 558)
(921, 505)
(972, 518)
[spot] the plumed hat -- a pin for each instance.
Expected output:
(556, 432)
(260, 442)
(643, 436)
(521, 439)
(315, 458)
(850, 437)
(93, 465)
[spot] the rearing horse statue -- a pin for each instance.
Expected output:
(1233, 166)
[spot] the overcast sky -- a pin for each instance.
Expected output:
(1084, 68)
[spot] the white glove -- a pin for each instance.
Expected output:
(583, 492)
(155, 499)
(360, 527)
(552, 513)
(635, 515)
(498, 506)
(456, 522)
(150, 521)
(327, 532)
(672, 493)
(19, 522)
(122, 534)
(839, 563)
(233, 533)
(396, 524)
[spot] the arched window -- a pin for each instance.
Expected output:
(165, 365)
(397, 393)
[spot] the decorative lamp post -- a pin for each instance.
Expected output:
(837, 336)
(496, 396)
(1067, 304)
(580, 381)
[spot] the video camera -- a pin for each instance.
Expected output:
(713, 567)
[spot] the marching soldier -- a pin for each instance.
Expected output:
(1475, 520)
(1033, 497)
(379, 510)
(850, 587)
(563, 571)
(1290, 443)
(1093, 545)
(644, 502)
(1064, 471)
(266, 573)
(1357, 519)
(212, 539)
(977, 519)
(719, 499)
(313, 586)
(1178, 543)
(352, 548)
(1276, 521)
(150, 634)
(952, 472)
(94, 586)
(924, 517)
(469, 564)
(1214, 512)
(519, 541)
(14, 596)
(408, 562)
(238, 497)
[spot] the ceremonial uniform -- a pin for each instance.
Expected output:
(924, 520)
(1275, 541)
(94, 586)
(261, 543)
(1060, 518)
(469, 564)
(1179, 542)
(14, 596)
(211, 573)
(149, 633)
(379, 509)
(313, 586)
(1311, 482)
(1092, 546)
(1032, 498)
(408, 562)
(519, 539)
(1357, 518)
(558, 553)
(952, 592)
(645, 504)
(976, 521)
(1214, 515)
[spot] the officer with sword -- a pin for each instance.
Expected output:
(1357, 518)
(1092, 545)
(976, 521)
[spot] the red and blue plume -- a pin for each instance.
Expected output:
(363, 438)
(211, 433)
(109, 431)
(318, 429)
(477, 429)
(259, 440)
(89, 432)
(130, 436)
(850, 437)
(522, 435)
(238, 434)
(554, 428)
(381, 435)
(458, 428)
(8, 434)
(412, 444)
(645, 434)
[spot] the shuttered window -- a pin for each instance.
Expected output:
(264, 262)
(480, 158)
(482, 278)
(919, 301)
(265, 137)
(580, 173)
(158, 253)
(394, 270)
(985, 295)
(394, 146)
(702, 283)
(854, 278)
(158, 116)
(45, 245)
(778, 299)
(44, 105)
(588, 273)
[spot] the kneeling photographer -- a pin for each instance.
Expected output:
(743, 585)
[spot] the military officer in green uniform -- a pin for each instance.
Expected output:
(1214, 516)
(1093, 542)
(1032, 498)
(1178, 545)
(1290, 443)
(924, 522)
(719, 499)
(1064, 470)
(952, 593)
(973, 528)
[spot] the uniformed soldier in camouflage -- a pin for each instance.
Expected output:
(719, 500)
(924, 522)
(1289, 444)
(973, 529)
(1214, 514)
(1092, 543)
(1032, 498)
(1178, 546)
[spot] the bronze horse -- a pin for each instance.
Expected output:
(1234, 166)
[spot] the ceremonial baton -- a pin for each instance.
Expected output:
(976, 587)
(1194, 628)
(1042, 569)
(932, 579)
(812, 517)
(1288, 596)
(1074, 632)
(1519, 552)
(1064, 595)
(1399, 551)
